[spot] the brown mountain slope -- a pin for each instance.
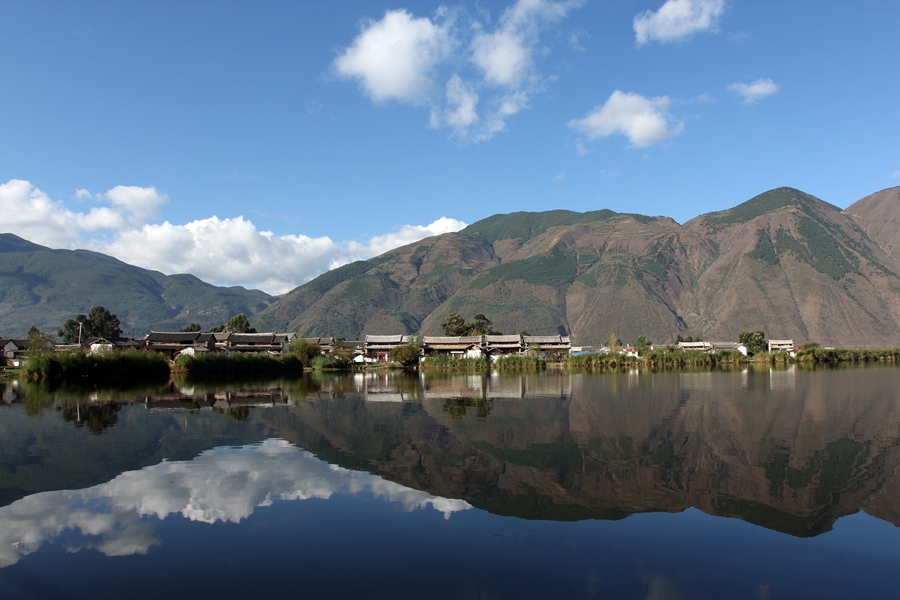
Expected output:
(783, 262)
(622, 274)
(796, 267)
(879, 216)
(394, 292)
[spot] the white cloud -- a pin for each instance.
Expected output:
(460, 113)
(141, 202)
(400, 57)
(895, 173)
(644, 121)
(229, 251)
(751, 92)
(677, 20)
(118, 512)
(393, 58)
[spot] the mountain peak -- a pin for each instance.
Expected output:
(12, 243)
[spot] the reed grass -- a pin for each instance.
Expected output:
(237, 364)
(72, 365)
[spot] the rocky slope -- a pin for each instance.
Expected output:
(784, 262)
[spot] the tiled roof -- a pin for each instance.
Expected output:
(503, 339)
(251, 338)
(547, 339)
(386, 339)
(172, 337)
(460, 339)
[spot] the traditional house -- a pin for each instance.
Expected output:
(465, 346)
(551, 344)
(326, 344)
(695, 346)
(378, 347)
(496, 346)
(254, 343)
(781, 346)
(13, 352)
(725, 346)
(170, 343)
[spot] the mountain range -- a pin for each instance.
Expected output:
(44, 287)
(783, 262)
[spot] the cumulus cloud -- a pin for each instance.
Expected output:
(393, 59)
(400, 57)
(644, 121)
(222, 251)
(113, 517)
(751, 92)
(677, 20)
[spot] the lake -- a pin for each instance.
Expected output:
(756, 483)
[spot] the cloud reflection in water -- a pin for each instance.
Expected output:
(222, 484)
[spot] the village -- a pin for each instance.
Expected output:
(372, 349)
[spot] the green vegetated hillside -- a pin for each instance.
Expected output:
(784, 262)
(44, 287)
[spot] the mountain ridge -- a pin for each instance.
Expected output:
(783, 261)
(43, 287)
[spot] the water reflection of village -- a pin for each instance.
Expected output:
(790, 449)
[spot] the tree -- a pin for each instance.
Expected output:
(482, 326)
(190, 328)
(614, 343)
(755, 341)
(407, 354)
(38, 341)
(642, 345)
(239, 324)
(304, 350)
(455, 325)
(99, 322)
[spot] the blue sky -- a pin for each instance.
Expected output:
(263, 143)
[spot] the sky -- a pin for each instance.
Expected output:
(263, 143)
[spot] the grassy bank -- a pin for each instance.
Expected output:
(838, 355)
(447, 364)
(602, 361)
(131, 365)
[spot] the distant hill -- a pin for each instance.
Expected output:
(784, 262)
(44, 287)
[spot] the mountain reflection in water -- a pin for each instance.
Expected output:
(788, 449)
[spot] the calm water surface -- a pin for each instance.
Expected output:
(748, 484)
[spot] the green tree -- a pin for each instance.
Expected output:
(482, 326)
(407, 354)
(304, 350)
(191, 328)
(613, 343)
(239, 324)
(99, 322)
(38, 342)
(755, 341)
(455, 325)
(642, 345)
